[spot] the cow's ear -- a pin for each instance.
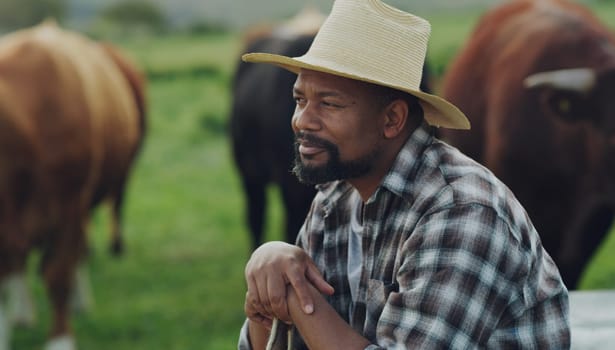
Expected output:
(565, 105)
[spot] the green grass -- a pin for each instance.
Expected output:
(170, 57)
(600, 273)
(448, 33)
(180, 284)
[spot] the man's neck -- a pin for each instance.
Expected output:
(368, 184)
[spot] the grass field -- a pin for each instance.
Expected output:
(180, 284)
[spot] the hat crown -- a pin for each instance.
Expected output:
(373, 40)
(368, 40)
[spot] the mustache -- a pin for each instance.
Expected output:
(302, 137)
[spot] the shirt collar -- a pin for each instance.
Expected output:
(408, 161)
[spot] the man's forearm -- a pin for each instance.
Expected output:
(324, 328)
(258, 335)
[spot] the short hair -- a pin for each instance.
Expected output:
(385, 95)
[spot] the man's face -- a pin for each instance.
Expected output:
(338, 128)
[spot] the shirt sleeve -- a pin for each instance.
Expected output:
(465, 272)
(244, 340)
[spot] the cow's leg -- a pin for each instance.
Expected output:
(58, 271)
(20, 305)
(116, 246)
(59, 266)
(297, 199)
(255, 192)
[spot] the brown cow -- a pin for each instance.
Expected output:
(71, 121)
(536, 80)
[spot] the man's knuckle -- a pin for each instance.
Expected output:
(254, 300)
(297, 280)
(277, 300)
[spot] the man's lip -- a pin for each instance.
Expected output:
(309, 149)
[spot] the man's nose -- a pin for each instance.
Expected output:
(305, 118)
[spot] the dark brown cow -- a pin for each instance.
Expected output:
(537, 80)
(71, 122)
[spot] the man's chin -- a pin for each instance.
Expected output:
(314, 160)
(311, 175)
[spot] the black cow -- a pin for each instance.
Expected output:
(262, 138)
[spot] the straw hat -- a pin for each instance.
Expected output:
(371, 41)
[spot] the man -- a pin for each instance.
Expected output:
(408, 244)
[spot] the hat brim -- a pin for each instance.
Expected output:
(437, 111)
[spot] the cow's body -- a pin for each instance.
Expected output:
(262, 137)
(548, 137)
(70, 126)
(119, 155)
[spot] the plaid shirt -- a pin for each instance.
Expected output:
(450, 258)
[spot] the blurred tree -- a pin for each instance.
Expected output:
(131, 15)
(200, 27)
(15, 14)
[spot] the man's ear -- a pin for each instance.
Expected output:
(396, 117)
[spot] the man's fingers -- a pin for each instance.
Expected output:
(277, 295)
(252, 293)
(254, 296)
(260, 319)
(254, 315)
(300, 286)
(263, 296)
(316, 278)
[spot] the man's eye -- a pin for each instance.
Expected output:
(299, 100)
(331, 104)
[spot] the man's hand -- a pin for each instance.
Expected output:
(271, 268)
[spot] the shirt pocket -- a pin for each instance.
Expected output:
(377, 295)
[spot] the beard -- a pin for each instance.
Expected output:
(334, 169)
